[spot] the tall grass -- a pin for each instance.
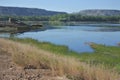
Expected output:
(109, 56)
(29, 56)
(56, 49)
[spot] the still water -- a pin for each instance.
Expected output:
(76, 37)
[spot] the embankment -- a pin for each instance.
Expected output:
(32, 61)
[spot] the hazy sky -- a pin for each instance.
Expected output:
(64, 5)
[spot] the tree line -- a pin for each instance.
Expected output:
(64, 18)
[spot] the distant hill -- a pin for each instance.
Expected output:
(18, 11)
(100, 12)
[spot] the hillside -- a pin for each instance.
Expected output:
(21, 61)
(100, 12)
(21, 11)
(18, 11)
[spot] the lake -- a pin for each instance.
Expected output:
(77, 37)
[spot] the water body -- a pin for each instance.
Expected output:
(76, 37)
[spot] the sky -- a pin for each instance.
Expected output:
(69, 6)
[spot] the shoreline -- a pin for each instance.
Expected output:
(41, 58)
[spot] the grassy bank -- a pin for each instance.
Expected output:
(31, 54)
(109, 56)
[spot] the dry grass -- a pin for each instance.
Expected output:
(29, 56)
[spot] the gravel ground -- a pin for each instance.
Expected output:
(10, 71)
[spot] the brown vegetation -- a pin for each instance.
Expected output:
(31, 57)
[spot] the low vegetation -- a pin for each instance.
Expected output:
(31, 54)
(109, 56)
(76, 17)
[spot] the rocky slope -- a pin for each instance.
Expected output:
(10, 71)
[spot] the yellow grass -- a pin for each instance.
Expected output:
(28, 56)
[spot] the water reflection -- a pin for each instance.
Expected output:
(75, 37)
